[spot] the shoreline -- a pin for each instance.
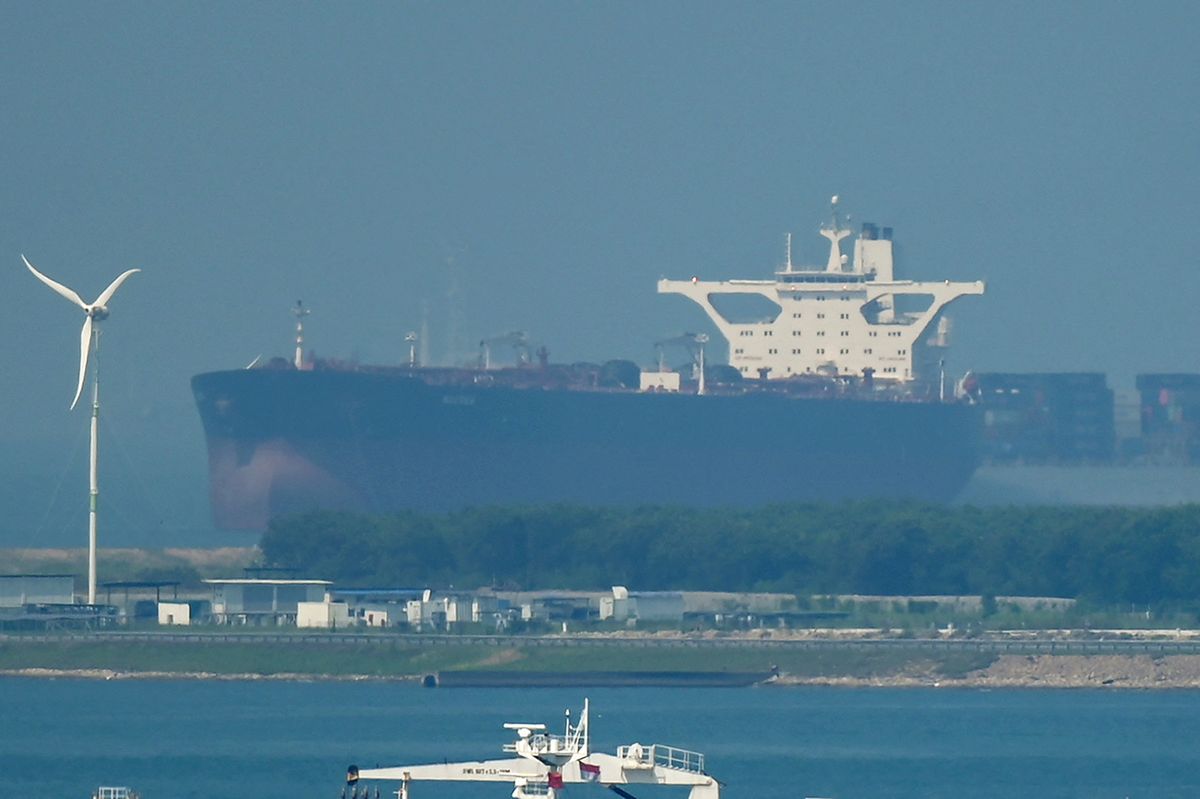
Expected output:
(1110, 672)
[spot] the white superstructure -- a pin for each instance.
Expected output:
(846, 318)
(544, 764)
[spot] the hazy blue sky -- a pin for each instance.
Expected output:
(565, 156)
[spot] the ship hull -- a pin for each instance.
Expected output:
(284, 441)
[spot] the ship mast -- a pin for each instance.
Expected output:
(835, 233)
(300, 312)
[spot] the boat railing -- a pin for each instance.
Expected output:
(544, 742)
(114, 792)
(663, 755)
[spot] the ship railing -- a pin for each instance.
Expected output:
(544, 742)
(662, 755)
(114, 792)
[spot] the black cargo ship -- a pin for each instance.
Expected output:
(833, 390)
(283, 440)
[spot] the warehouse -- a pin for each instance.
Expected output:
(265, 602)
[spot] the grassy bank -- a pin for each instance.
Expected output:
(401, 660)
(186, 566)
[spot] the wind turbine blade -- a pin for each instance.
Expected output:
(58, 287)
(107, 294)
(85, 347)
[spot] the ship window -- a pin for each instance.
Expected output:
(845, 332)
(795, 316)
(820, 316)
(844, 351)
(820, 332)
(873, 333)
(768, 332)
(795, 352)
(901, 352)
(820, 352)
(772, 352)
(795, 332)
(867, 351)
(844, 316)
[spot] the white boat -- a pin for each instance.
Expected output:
(545, 764)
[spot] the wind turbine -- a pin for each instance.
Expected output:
(89, 340)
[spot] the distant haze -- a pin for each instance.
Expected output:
(487, 167)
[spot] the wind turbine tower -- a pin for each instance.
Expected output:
(89, 340)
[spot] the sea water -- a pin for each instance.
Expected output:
(61, 738)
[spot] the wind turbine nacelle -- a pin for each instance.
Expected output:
(98, 312)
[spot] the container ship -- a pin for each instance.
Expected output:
(834, 389)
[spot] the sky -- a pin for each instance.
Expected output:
(486, 167)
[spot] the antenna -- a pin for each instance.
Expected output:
(89, 340)
(789, 251)
(300, 312)
(835, 233)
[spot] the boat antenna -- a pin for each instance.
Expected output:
(789, 252)
(300, 312)
(89, 342)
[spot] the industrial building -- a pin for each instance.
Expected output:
(44, 601)
(18, 590)
(642, 606)
(263, 601)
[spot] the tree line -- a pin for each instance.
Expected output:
(1110, 555)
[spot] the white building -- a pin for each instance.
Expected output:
(616, 607)
(440, 612)
(324, 615)
(175, 613)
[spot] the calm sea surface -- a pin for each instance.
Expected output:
(61, 738)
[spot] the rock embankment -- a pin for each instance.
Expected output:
(1040, 671)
